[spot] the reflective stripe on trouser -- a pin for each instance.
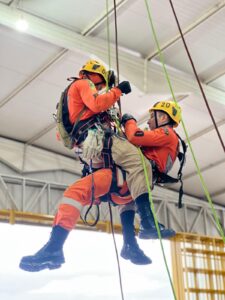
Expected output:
(128, 157)
(79, 194)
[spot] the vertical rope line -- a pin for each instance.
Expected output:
(110, 209)
(117, 256)
(184, 128)
(155, 220)
(117, 52)
(196, 75)
(108, 34)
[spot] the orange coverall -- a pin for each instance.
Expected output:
(83, 93)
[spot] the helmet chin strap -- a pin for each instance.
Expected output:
(156, 121)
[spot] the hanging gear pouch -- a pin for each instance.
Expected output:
(93, 144)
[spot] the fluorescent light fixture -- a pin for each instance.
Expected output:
(22, 24)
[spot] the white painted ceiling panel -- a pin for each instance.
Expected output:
(209, 36)
(9, 81)
(73, 14)
(30, 111)
(23, 53)
(69, 66)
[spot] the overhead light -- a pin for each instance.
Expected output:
(22, 24)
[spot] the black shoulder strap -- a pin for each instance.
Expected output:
(182, 158)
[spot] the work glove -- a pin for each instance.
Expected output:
(111, 79)
(93, 144)
(125, 87)
(127, 117)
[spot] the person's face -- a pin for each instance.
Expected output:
(152, 121)
(161, 118)
(97, 80)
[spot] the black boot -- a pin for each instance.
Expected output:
(148, 229)
(48, 257)
(130, 248)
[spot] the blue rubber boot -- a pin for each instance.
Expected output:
(130, 248)
(148, 229)
(50, 256)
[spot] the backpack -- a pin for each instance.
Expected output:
(64, 127)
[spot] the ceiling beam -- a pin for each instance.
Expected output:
(41, 133)
(206, 168)
(218, 193)
(212, 11)
(215, 77)
(131, 67)
(103, 17)
(206, 130)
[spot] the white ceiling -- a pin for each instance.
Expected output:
(63, 34)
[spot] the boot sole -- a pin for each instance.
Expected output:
(135, 261)
(39, 267)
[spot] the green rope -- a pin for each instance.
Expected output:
(184, 128)
(108, 37)
(155, 219)
(108, 34)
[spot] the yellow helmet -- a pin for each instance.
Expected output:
(169, 107)
(94, 66)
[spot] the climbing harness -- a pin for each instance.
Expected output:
(75, 134)
(160, 178)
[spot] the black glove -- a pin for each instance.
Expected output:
(125, 118)
(111, 78)
(124, 86)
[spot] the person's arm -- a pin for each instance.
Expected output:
(97, 103)
(138, 137)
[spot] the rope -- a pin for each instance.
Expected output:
(119, 104)
(155, 219)
(184, 128)
(85, 221)
(117, 256)
(108, 36)
(117, 52)
(196, 76)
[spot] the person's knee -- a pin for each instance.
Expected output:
(126, 207)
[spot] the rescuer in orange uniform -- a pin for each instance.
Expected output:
(160, 146)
